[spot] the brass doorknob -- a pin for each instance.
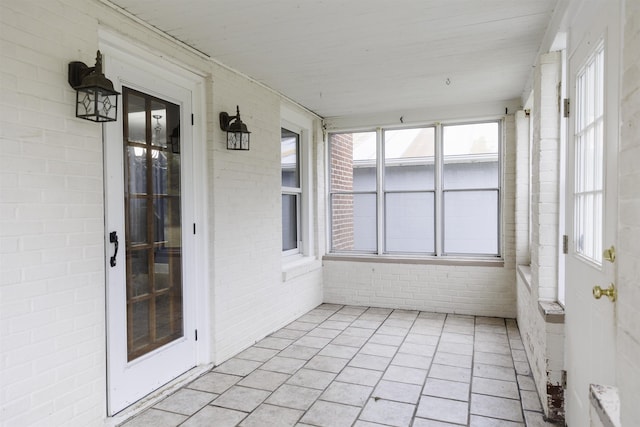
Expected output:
(610, 292)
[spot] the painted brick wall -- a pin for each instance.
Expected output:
(52, 284)
(628, 328)
(543, 342)
(487, 291)
(250, 298)
(52, 315)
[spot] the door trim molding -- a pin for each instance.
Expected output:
(115, 46)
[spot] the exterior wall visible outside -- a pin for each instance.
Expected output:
(467, 289)
(543, 340)
(52, 236)
(628, 327)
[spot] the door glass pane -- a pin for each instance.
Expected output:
(471, 222)
(410, 222)
(153, 223)
(589, 158)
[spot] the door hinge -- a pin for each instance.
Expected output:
(196, 334)
(194, 228)
(565, 244)
(192, 120)
(564, 379)
(566, 105)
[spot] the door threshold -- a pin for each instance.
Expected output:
(156, 396)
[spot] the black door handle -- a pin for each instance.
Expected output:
(113, 238)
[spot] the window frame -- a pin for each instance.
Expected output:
(294, 191)
(381, 193)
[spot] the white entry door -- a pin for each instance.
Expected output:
(149, 224)
(591, 207)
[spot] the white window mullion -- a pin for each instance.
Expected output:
(380, 214)
(438, 189)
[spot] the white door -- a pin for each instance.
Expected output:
(591, 208)
(150, 291)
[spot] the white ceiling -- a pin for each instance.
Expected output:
(355, 57)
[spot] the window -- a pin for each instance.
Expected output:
(432, 190)
(291, 190)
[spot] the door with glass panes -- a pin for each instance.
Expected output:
(149, 291)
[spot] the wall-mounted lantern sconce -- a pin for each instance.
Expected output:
(237, 132)
(96, 100)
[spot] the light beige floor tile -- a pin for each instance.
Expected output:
(349, 340)
(354, 331)
(412, 361)
(478, 421)
(241, 398)
(155, 418)
(526, 383)
(330, 414)
(494, 372)
(214, 382)
(269, 415)
(419, 349)
(508, 389)
(285, 365)
(324, 333)
(335, 324)
(421, 422)
(368, 361)
(404, 374)
(264, 380)
(299, 352)
(522, 368)
(223, 417)
(342, 351)
(315, 342)
(388, 413)
(398, 392)
(530, 401)
(288, 333)
(360, 376)
(446, 389)
(378, 349)
(349, 394)
(257, 354)
(311, 378)
(295, 397)
(186, 401)
(453, 337)
(452, 373)
(342, 317)
(436, 408)
(456, 348)
(239, 367)
(388, 340)
(274, 343)
(368, 324)
(450, 359)
(535, 419)
(492, 347)
(327, 364)
(361, 423)
(493, 359)
(416, 338)
(496, 407)
(300, 325)
(392, 330)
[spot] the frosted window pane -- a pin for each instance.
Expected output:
(471, 222)
(410, 222)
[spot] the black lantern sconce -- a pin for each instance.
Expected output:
(237, 132)
(96, 100)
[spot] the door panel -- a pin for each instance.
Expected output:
(591, 209)
(150, 291)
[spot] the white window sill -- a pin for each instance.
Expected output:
(295, 266)
(396, 259)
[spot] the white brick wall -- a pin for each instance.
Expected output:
(628, 328)
(486, 291)
(52, 284)
(544, 342)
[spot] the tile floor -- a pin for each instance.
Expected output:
(363, 367)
